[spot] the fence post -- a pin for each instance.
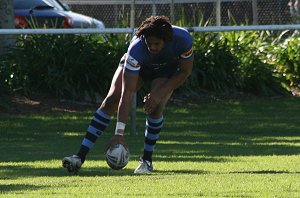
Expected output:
(132, 14)
(133, 103)
(6, 21)
(172, 12)
(298, 9)
(115, 15)
(218, 12)
(153, 9)
(254, 12)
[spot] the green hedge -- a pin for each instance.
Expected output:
(76, 66)
(67, 66)
(233, 62)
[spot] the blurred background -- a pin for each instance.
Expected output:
(226, 65)
(116, 13)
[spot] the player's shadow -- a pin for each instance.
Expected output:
(264, 172)
(16, 172)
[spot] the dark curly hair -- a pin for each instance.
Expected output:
(158, 26)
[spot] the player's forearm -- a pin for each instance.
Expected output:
(123, 112)
(125, 106)
(129, 85)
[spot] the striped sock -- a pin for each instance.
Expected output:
(153, 127)
(98, 123)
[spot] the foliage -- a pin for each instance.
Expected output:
(71, 66)
(230, 62)
(286, 58)
(256, 75)
(5, 77)
(214, 65)
(81, 66)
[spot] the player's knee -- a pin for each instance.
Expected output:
(158, 111)
(111, 102)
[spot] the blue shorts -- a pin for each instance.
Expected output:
(151, 73)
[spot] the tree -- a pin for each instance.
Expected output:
(6, 22)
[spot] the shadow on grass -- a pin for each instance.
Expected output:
(13, 172)
(192, 152)
(265, 172)
(6, 188)
(17, 171)
(172, 172)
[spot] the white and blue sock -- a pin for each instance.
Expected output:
(152, 131)
(98, 123)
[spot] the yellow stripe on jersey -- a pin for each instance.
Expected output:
(187, 54)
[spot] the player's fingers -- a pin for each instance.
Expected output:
(148, 110)
(123, 143)
(147, 107)
(110, 144)
(106, 147)
(146, 98)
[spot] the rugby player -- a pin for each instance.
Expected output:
(159, 53)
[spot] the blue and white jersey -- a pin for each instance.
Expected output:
(138, 55)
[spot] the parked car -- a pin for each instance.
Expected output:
(50, 14)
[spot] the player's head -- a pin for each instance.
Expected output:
(156, 30)
(157, 26)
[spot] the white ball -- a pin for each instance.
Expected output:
(118, 157)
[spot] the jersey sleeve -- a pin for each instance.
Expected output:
(185, 46)
(187, 54)
(133, 58)
(131, 64)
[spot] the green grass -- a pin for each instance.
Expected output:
(220, 149)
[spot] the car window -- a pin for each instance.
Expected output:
(28, 4)
(56, 4)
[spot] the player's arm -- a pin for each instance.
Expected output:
(186, 58)
(129, 85)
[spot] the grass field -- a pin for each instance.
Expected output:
(219, 149)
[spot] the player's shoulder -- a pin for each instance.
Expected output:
(136, 42)
(181, 33)
(136, 47)
(183, 42)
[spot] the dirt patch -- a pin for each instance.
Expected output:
(18, 104)
(22, 105)
(296, 92)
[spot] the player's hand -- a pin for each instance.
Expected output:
(116, 139)
(151, 102)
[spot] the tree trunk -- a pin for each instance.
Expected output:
(6, 22)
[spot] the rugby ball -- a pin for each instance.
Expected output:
(117, 157)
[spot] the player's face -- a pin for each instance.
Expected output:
(154, 44)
